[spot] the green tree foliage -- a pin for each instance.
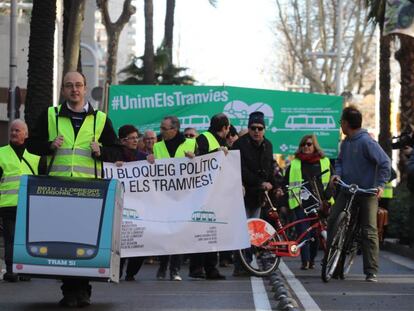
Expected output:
(165, 73)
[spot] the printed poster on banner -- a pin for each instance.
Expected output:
(288, 115)
(178, 206)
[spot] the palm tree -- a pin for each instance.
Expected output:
(164, 73)
(405, 56)
(149, 70)
(40, 70)
(376, 15)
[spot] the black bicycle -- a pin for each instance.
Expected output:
(345, 242)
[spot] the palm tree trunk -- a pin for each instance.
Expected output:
(405, 56)
(40, 70)
(385, 100)
(169, 29)
(73, 34)
(149, 68)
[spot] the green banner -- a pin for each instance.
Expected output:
(288, 115)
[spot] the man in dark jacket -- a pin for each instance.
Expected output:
(256, 154)
(210, 141)
(361, 161)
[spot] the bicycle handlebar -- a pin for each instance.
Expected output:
(354, 188)
(307, 182)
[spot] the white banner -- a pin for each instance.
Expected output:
(178, 206)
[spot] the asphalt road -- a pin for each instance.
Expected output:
(394, 290)
(146, 293)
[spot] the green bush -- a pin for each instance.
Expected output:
(398, 226)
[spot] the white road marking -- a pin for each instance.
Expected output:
(260, 298)
(402, 261)
(305, 299)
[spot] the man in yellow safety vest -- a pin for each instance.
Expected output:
(172, 145)
(212, 140)
(76, 138)
(15, 161)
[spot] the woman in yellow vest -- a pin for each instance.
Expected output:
(309, 161)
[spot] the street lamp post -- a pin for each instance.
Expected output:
(338, 47)
(13, 60)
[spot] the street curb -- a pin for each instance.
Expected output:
(282, 293)
(394, 247)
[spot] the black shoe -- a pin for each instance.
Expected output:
(161, 274)
(24, 278)
(338, 276)
(10, 277)
(197, 275)
(129, 278)
(224, 263)
(215, 275)
(69, 302)
(240, 273)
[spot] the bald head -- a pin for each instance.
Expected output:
(18, 132)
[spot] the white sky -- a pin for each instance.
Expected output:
(232, 44)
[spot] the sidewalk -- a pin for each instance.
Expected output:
(392, 245)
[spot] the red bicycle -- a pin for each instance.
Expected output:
(269, 242)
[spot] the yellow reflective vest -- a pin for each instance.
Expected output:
(13, 168)
(295, 179)
(161, 151)
(213, 144)
(74, 157)
(388, 192)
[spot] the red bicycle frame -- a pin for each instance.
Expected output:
(291, 248)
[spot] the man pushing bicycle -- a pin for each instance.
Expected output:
(363, 162)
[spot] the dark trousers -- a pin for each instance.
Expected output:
(76, 287)
(309, 250)
(368, 207)
(133, 266)
(208, 261)
(174, 260)
(8, 215)
(411, 221)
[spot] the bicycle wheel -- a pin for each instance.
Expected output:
(334, 251)
(260, 260)
(350, 250)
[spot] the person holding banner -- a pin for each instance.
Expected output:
(256, 154)
(173, 145)
(76, 139)
(128, 135)
(15, 161)
(150, 138)
(210, 141)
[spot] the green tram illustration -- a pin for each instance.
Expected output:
(203, 216)
(129, 213)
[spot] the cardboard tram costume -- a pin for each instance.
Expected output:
(68, 227)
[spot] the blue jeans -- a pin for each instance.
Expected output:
(309, 250)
